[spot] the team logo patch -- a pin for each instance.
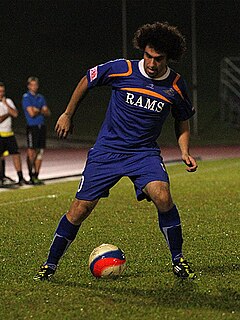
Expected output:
(150, 85)
(170, 92)
(93, 73)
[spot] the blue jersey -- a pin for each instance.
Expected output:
(139, 105)
(37, 101)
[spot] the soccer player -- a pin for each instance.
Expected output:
(8, 143)
(35, 110)
(143, 94)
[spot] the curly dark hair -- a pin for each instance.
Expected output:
(163, 38)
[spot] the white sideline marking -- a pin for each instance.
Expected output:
(77, 178)
(46, 182)
(29, 200)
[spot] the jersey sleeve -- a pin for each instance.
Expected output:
(182, 109)
(11, 103)
(105, 74)
(26, 101)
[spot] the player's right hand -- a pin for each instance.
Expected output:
(63, 126)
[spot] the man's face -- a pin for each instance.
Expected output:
(2, 92)
(33, 86)
(155, 63)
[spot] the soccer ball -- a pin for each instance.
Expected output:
(107, 260)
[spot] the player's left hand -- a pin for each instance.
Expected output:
(63, 126)
(190, 162)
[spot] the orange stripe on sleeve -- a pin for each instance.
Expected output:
(128, 73)
(148, 92)
(175, 86)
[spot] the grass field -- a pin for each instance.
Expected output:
(208, 202)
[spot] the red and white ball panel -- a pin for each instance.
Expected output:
(107, 260)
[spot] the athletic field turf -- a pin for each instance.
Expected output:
(208, 202)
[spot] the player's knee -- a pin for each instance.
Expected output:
(80, 210)
(164, 202)
(40, 154)
(160, 194)
(31, 153)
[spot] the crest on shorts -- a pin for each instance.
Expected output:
(93, 73)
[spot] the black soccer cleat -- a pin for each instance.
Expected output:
(22, 182)
(182, 269)
(36, 181)
(45, 273)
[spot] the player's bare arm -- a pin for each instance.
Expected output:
(11, 112)
(182, 129)
(45, 111)
(4, 117)
(64, 123)
(33, 111)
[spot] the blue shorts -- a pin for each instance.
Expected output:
(104, 169)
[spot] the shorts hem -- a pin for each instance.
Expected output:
(89, 198)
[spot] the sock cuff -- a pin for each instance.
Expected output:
(20, 174)
(66, 229)
(170, 218)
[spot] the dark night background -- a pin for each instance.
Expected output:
(58, 41)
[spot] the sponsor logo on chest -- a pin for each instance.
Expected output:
(144, 102)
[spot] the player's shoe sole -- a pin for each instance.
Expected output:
(45, 273)
(182, 270)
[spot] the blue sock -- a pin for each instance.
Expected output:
(170, 225)
(64, 236)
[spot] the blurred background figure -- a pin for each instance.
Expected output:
(35, 110)
(5, 181)
(8, 143)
